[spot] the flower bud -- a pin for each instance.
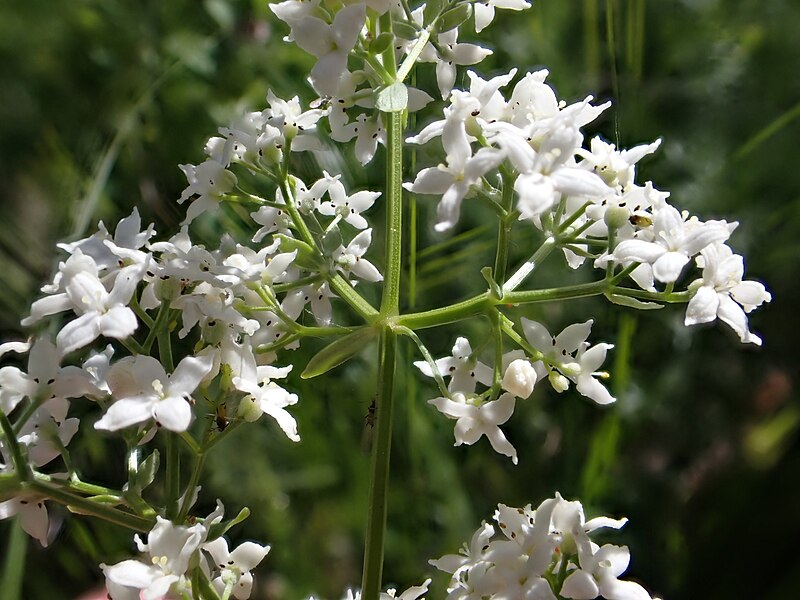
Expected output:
(249, 410)
(558, 381)
(616, 217)
(519, 378)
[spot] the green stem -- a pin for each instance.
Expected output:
(338, 284)
(158, 325)
(379, 480)
(481, 303)
(394, 214)
(530, 265)
(437, 376)
(86, 506)
(173, 474)
(504, 230)
(413, 55)
(20, 465)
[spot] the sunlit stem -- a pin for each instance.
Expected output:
(530, 265)
(413, 55)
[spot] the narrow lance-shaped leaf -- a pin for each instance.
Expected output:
(338, 352)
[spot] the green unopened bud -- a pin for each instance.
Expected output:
(381, 43)
(454, 17)
(405, 30)
(249, 410)
(616, 217)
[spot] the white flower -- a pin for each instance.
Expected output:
(318, 295)
(451, 53)
(168, 551)
(351, 259)
(330, 43)
(107, 251)
(347, 207)
(266, 396)
(676, 238)
(462, 368)
(32, 515)
(722, 294)
(475, 419)
(235, 566)
(143, 391)
(573, 357)
(453, 180)
(45, 380)
(209, 181)
(598, 576)
(296, 125)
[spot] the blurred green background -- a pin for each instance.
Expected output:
(99, 102)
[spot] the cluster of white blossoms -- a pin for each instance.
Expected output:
(541, 554)
(586, 199)
(163, 570)
(170, 339)
(561, 359)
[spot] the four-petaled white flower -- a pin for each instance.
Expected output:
(142, 391)
(351, 259)
(475, 419)
(168, 550)
(235, 566)
(722, 294)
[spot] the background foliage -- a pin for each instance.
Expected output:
(99, 101)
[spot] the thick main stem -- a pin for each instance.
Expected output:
(390, 302)
(379, 480)
(394, 214)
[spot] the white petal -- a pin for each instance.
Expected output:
(667, 268)
(573, 336)
(434, 180)
(189, 373)
(124, 413)
(79, 332)
(702, 307)
(366, 270)
(580, 585)
(537, 335)
(639, 251)
(118, 323)
(174, 413)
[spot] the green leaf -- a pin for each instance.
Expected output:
(381, 43)
(306, 256)
(432, 10)
(633, 302)
(147, 471)
(495, 289)
(454, 17)
(338, 352)
(393, 98)
(220, 529)
(332, 240)
(405, 31)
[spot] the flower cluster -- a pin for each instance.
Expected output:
(561, 359)
(176, 558)
(182, 342)
(541, 554)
